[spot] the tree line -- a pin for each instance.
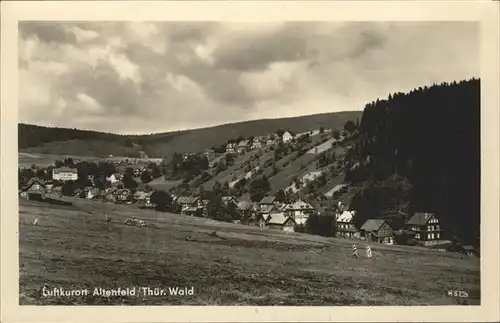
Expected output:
(420, 151)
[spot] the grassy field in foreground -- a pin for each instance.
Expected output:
(73, 247)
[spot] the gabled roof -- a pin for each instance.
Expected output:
(278, 218)
(266, 208)
(267, 200)
(187, 199)
(243, 143)
(373, 224)
(32, 181)
(420, 218)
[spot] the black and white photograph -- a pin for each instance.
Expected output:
(236, 163)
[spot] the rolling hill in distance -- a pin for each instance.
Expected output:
(64, 141)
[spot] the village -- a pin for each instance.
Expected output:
(287, 210)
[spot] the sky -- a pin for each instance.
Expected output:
(147, 77)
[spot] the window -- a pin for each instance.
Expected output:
(417, 236)
(428, 236)
(437, 235)
(437, 227)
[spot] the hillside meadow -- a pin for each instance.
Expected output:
(226, 264)
(62, 141)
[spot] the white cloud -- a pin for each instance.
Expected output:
(167, 76)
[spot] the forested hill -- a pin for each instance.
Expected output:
(63, 141)
(420, 151)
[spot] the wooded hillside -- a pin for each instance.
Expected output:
(420, 151)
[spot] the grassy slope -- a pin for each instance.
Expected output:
(160, 145)
(73, 248)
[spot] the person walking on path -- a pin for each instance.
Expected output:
(368, 251)
(354, 251)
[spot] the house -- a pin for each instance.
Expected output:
(143, 199)
(231, 148)
(268, 209)
(65, 174)
(287, 137)
(267, 200)
(344, 223)
(426, 227)
(377, 230)
(113, 178)
(258, 142)
(242, 146)
(279, 221)
(33, 190)
(188, 201)
(299, 211)
(123, 194)
(271, 140)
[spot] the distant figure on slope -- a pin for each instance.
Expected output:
(354, 251)
(107, 218)
(36, 221)
(369, 252)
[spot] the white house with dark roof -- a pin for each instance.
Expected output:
(426, 227)
(299, 211)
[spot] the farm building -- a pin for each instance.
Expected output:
(144, 199)
(426, 227)
(188, 201)
(33, 190)
(280, 221)
(65, 174)
(377, 230)
(345, 225)
(299, 211)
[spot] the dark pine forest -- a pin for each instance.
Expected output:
(420, 151)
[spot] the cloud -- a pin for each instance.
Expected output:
(141, 77)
